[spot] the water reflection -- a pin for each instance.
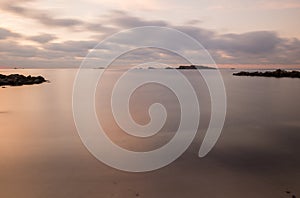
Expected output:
(256, 156)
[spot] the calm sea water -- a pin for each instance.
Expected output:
(257, 155)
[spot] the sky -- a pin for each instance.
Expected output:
(55, 33)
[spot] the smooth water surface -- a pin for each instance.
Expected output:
(257, 155)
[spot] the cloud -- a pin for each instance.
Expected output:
(124, 20)
(252, 42)
(98, 27)
(265, 47)
(14, 49)
(4, 33)
(72, 46)
(43, 38)
(48, 19)
(119, 19)
(41, 16)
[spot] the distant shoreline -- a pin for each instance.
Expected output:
(279, 73)
(218, 66)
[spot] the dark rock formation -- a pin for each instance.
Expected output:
(195, 67)
(187, 67)
(19, 80)
(277, 73)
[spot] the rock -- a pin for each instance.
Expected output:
(187, 67)
(277, 73)
(19, 80)
(194, 67)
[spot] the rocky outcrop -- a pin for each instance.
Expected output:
(19, 80)
(195, 67)
(279, 73)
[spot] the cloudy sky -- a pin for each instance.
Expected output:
(55, 33)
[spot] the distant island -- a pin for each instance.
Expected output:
(19, 80)
(195, 67)
(182, 67)
(279, 73)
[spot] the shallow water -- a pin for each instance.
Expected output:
(257, 155)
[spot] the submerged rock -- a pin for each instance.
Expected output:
(19, 80)
(279, 73)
